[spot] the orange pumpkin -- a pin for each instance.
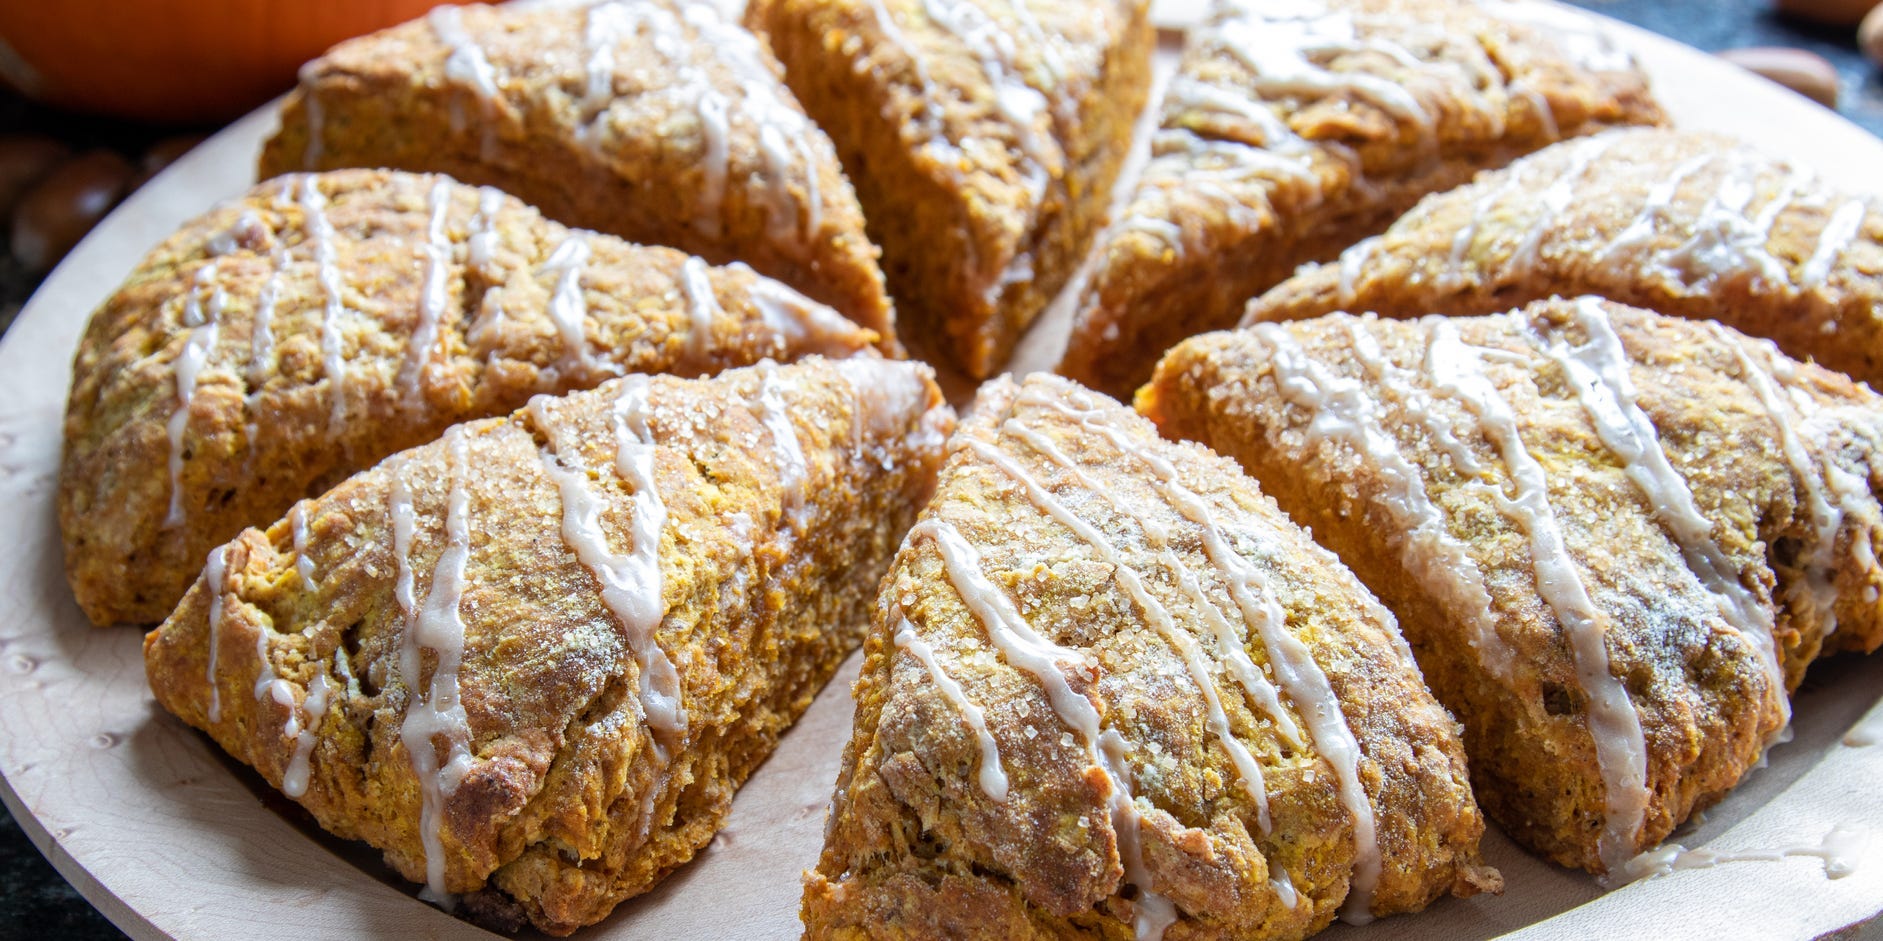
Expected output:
(176, 61)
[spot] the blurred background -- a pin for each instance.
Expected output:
(98, 96)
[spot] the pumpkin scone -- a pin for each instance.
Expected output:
(289, 338)
(533, 661)
(1615, 539)
(983, 136)
(1685, 224)
(1293, 130)
(652, 120)
(1110, 690)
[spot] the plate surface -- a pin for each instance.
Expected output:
(173, 842)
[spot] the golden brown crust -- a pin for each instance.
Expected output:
(1689, 225)
(1371, 441)
(501, 305)
(920, 846)
(651, 121)
(565, 804)
(983, 148)
(1254, 174)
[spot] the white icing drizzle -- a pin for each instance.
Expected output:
(1555, 198)
(702, 304)
(1154, 612)
(467, 65)
(215, 578)
(1284, 888)
(1187, 93)
(316, 112)
(993, 777)
(1276, 39)
(784, 133)
(1655, 207)
(327, 272)
(792, 470)
(432, 298)
(305, 735)
(437, 625)
(568, 306)
(486, 238)
(1342, 410)
(1840, 850)
(1351, 261)
(1576, 34)
(1231, 645)
(1023, 647)
(1724, 239)
(630, 585)
(942, 152)
(1307, 686)
(1545, 115)
(1598, 371)
(805, 325)
(603, 27)
(1827, 518)
(1452, 278)
(1164, 230)
(1838, 233)
(303, 563)
(1018, 103)
(714, 128)
(1412, 397)
(261, 357)
(1613, 723)
(205, 329)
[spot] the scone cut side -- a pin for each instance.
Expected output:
(286, 339)
(983, 139)
(1682, 223)
(533, 661)
(1109, 690)
(653, 120)
(1294, 130)
(1597, 573)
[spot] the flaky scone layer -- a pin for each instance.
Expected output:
(1615, 539)
(983, 138)
(1686, 224)
(284, 340)
(533, 661)
(652, 120)
(1109, 689)
(1294, 130)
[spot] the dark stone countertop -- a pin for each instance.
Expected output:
(35, 901)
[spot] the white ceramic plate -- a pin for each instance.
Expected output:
(173, 841)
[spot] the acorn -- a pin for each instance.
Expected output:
(58, 210)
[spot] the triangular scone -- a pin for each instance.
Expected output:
(1592, 521)
(1293, 130)
(1690, 225)
(534, 660)
(1109, 685)
(653, 120)
(281, 342)
(983, 136)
